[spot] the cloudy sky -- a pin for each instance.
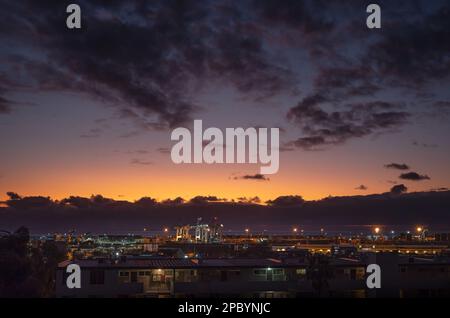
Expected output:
(90, 111)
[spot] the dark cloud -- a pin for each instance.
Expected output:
(176, 201)
(442, 105)
(286, 148)
(149, 58)
(399, 189)
(164, 150)
(251, 200)
(347, 81)
(4, 106)
(398, 166)
(414, 51)
(99, 214)
(303, 16)
(13, 196)
(32, 202)
(146, 202)
(139, 152)
(362, 187)
(77, 202)
(136, 161)
(308, 143)
(141, 55)
(323, 127)
(257, 176)
(93, 133)
(205, 199)
(286, 201)
(130, 134)
(440, 189)
(413, 176)
(424, 144)
(409, 55)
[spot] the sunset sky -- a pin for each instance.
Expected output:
(90, 111)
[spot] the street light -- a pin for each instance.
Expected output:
(377, 230)
(419, 229)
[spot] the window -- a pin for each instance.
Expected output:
(124, 274)
(260, 272)
(278, 271)
(156, 278)
(141, 273)
(301, 271)
(97, 277)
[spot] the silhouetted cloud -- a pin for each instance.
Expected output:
(442, 104)
(176, 201)
(398, 166)
(13, 196)
(164, 150)
(136, 161)
(141, 55)
(399, 189)
(424, 144)
(322, 127)
(361, 187)
(413, 176)
(419, 44)
(251, 200)
(286, 201)
(439, 189)
(257, 176)
(93, 133)
(100, 214)
(138, 152)
(4, 106)
(305, 18)
(146, 202)
(146, 58)
(32, 202)
(346, 80)
(286, 148)
(324, 115)
(206, 199)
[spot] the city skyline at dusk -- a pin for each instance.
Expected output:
(223, 156)
(90, 111)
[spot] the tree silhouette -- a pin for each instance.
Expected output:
(319, 272)
(25, 271)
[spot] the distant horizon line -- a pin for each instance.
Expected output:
(215, 199)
